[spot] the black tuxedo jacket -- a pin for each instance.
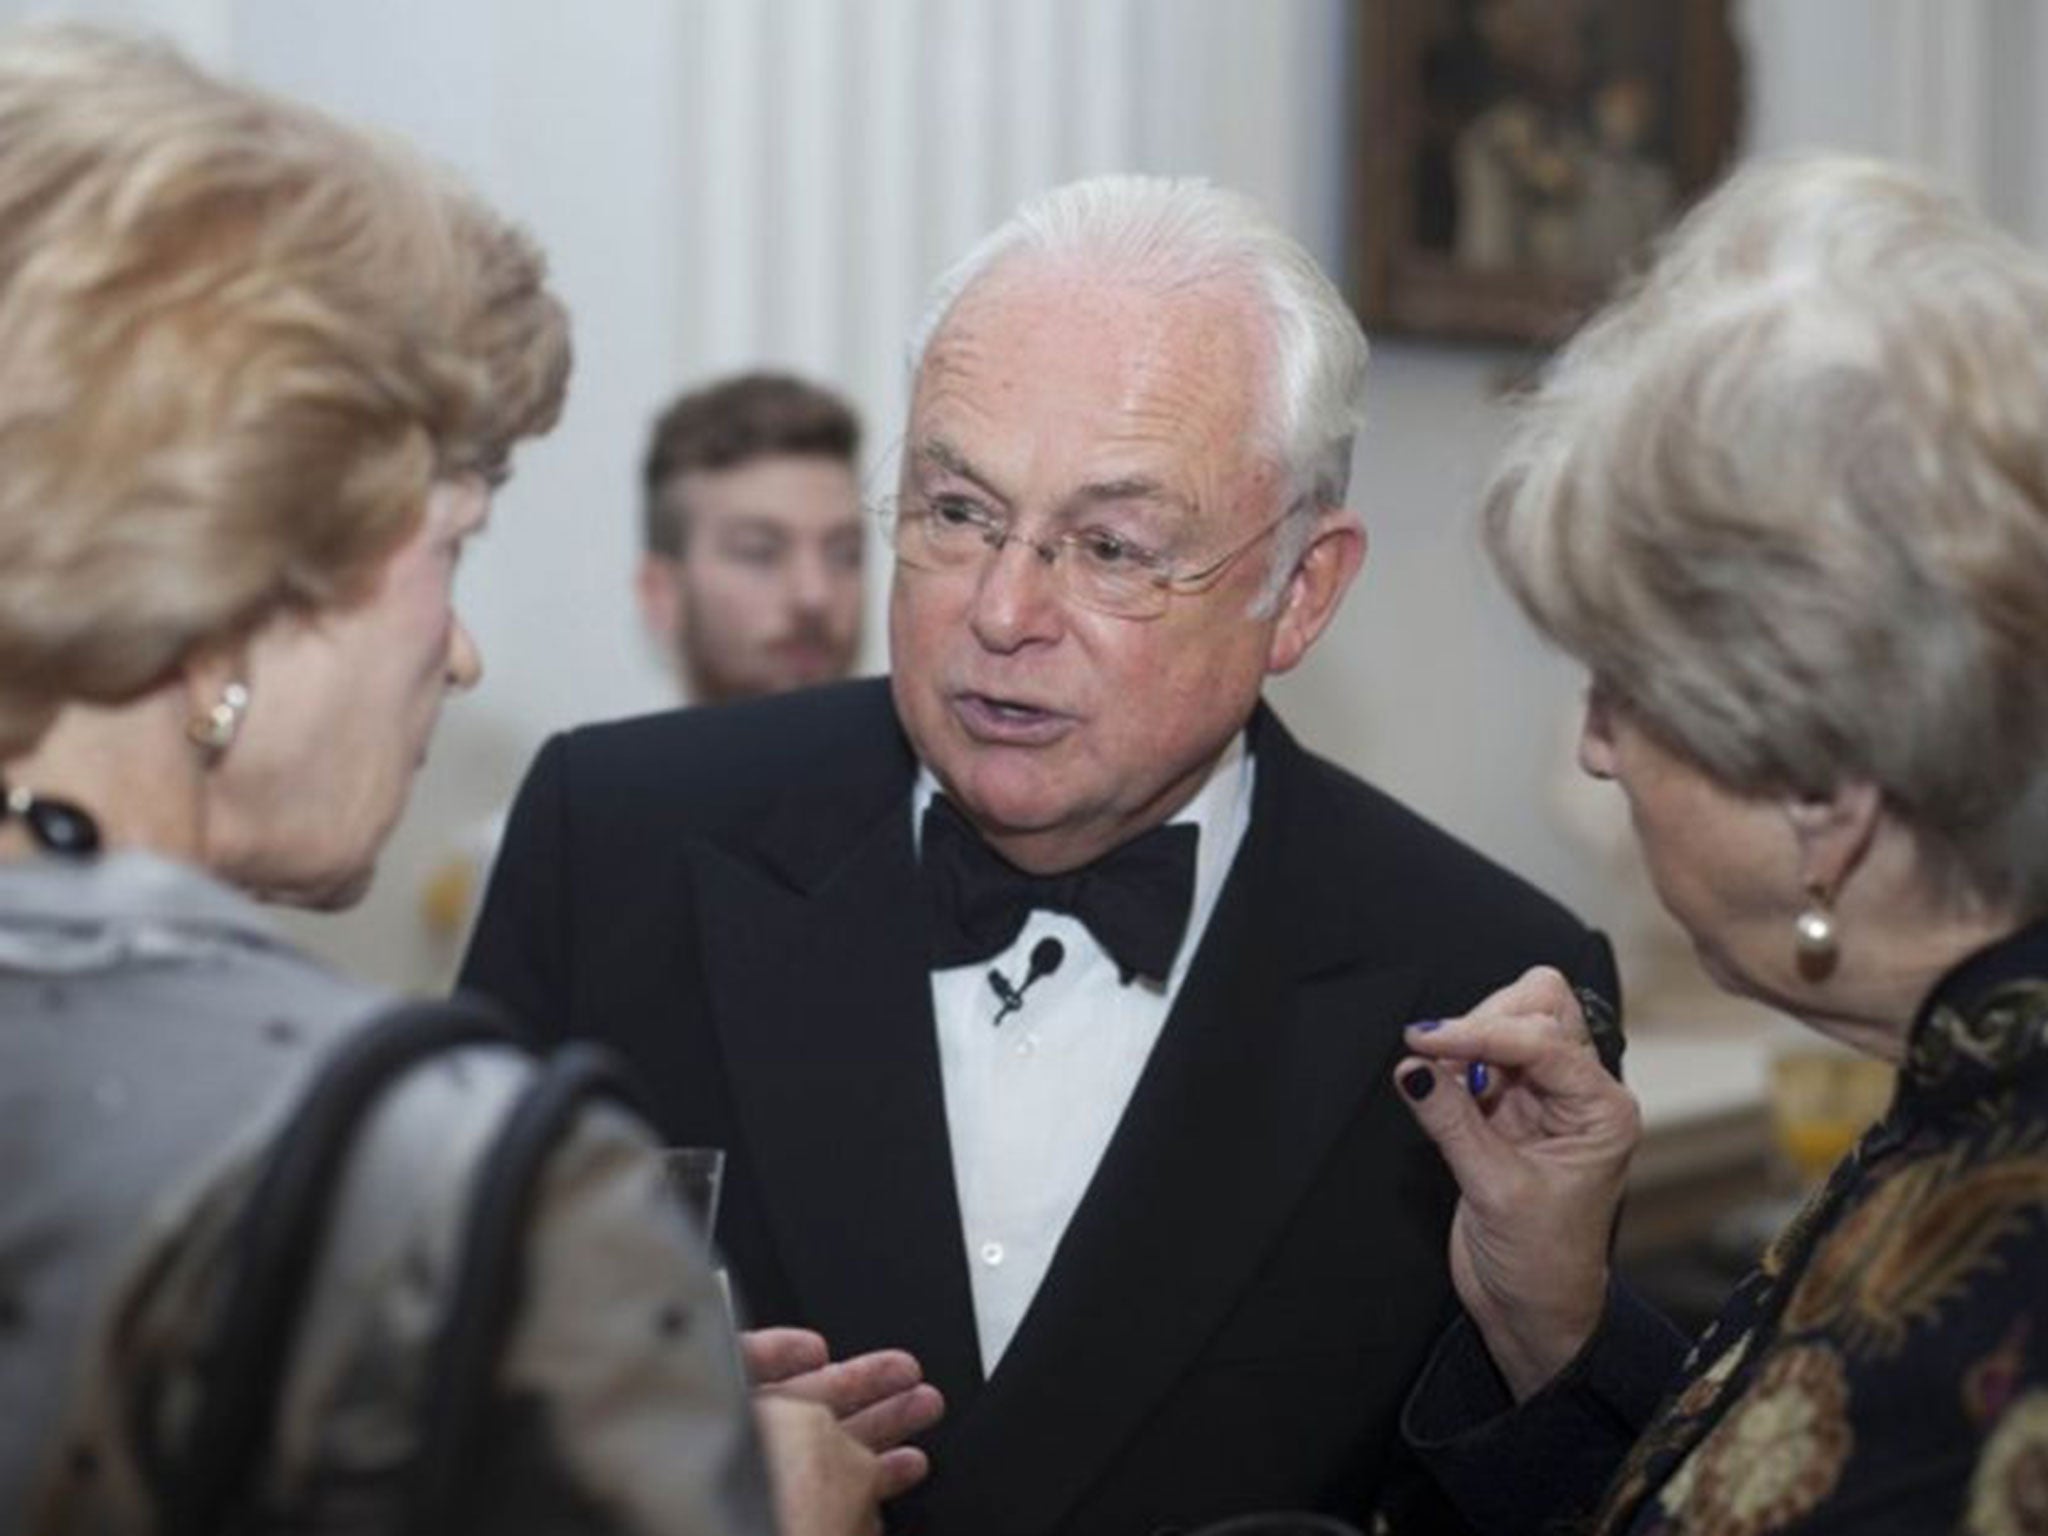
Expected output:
(727, 897)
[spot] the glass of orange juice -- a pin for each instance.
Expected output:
(1822, 1100)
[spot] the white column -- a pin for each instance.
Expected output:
(729, 137)
(1101, 69)
(1944, 103)
(817, 177)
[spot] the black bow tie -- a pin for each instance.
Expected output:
(1134, 899)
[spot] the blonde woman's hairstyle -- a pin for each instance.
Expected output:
(1788, 499)
(238, 341)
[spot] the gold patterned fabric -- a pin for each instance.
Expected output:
(1885, 1369)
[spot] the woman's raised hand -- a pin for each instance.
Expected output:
(1538, 1134)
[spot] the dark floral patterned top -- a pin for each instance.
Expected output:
(1884, 1370)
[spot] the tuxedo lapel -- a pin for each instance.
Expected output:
(1284, 1025)
(822, 1003)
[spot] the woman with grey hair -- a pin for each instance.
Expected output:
(1788, 502)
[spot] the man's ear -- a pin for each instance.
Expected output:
(1834, 830)
(1321, 577)
(659, 585)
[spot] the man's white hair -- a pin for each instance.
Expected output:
(1173, 233)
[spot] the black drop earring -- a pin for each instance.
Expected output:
(56, 826)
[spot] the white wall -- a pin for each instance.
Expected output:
(726, 182)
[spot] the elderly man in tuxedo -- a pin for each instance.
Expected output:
(1044, 995)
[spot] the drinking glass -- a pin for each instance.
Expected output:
(1822, 1100)
(694, 1176)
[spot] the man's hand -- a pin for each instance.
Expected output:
(881, 1398)
(825, 1482)
(1539, 1138)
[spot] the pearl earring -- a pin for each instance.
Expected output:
(1816, 938)
(214, 732)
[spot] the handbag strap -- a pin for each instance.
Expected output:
(280, 1235)
(490, 1280)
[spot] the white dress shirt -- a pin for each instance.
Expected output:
(1031, 1103)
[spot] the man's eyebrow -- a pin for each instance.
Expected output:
(945, 456)
(760, 520)
(939, 452)
(1130, 488)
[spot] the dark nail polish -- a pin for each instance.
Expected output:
(1416, 1083)
(1477, 1077)
(1424, 1026)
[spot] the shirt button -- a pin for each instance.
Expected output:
(1026, 1044)
(991, 1254)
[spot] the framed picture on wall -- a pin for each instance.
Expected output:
(1513, 157)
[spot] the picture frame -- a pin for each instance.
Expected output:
(1515, 157)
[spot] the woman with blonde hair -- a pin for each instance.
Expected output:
(1787, 500)
(259, 374)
